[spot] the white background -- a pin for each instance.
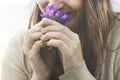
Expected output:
(14, 17)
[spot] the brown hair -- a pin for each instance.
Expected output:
(98, 17)
(96, 23)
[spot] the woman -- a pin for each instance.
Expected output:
(87, 45)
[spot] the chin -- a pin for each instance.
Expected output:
(74, 20)
(72, 23)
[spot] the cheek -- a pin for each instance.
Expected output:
(75, 4)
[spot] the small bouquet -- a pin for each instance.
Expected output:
(51, 12)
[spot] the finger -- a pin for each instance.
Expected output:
(41, 23)
(34, 56)
(35, 49)
(60, 45)
(34, 36)
(59, 28)
(37, 27)
(28, 43)
(44, 22)
(33, 29)
(55, 26)
(58, 35)
(47, 22)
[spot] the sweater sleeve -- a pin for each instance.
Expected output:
(12, 67)
(118, 71)
(117, 64)
(79, 72)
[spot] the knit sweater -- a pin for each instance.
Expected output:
(16, 65)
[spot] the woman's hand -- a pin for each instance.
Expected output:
(32, 47)
(65, 40)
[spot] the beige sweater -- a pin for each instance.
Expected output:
(16, 65)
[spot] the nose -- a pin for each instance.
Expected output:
(59, 4)
(53, 1)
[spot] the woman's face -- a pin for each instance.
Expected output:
(72, 7)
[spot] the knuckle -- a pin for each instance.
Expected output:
(43, 22)
(48, 35)
(60, 43)
(44, 37)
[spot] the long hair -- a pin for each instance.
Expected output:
(97, 22)
(98, 19)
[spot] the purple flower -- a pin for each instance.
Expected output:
(50, 7)
(58, 14)
(50, 12)
(63, 18)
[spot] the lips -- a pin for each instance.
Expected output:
(70, 14)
